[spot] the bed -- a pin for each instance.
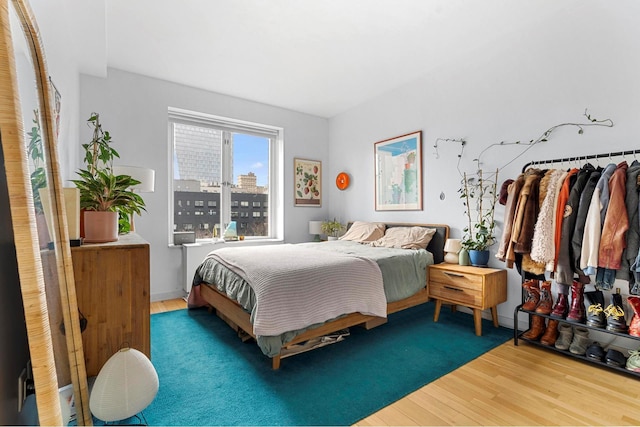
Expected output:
(285, 295)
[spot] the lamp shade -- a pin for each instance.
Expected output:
(126, 385)
(146, 177)
(451, 249)
(453, 245)
(315, 227)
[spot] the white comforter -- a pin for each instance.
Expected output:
(298, 287)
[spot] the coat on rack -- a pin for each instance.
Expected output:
(593, 215)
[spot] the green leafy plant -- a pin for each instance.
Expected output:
(331, 228)
(479, 198)
(100, 189)
(36, 154)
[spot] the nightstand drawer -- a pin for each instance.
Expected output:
(455, 293)
(456, 279)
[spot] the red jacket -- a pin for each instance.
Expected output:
(563, 196)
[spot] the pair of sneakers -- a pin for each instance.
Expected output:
(633, 362)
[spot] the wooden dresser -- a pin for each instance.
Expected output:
(112, 286)
(473, 287)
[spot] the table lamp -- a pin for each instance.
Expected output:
(452, 248)
(146, 177)
(315, 228)
(125, 385)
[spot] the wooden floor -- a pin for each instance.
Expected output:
(512, 385)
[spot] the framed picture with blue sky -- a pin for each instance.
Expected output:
(398, 173)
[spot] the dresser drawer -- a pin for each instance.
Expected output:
(453, 292)
(456, 279)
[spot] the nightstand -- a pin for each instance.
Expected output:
(473, 287)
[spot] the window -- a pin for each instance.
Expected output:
(225, 164)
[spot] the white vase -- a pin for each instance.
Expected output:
(332, 237)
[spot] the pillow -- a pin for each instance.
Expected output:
(361, 231)
(406, 238)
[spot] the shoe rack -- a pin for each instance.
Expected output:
(518, 336)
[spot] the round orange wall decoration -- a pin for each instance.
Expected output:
(342, 180)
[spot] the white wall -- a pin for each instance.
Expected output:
(62, 61)
(513, 90)
(133, 108)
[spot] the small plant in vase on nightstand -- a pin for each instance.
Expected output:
(332, 229)
(479, 198)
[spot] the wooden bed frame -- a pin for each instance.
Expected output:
(239, 319)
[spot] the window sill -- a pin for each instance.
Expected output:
(215, 242)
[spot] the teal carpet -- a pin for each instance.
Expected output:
(209, 377)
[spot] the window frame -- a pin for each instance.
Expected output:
(275, 199)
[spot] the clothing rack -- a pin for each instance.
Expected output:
(519, 336)
(581, 158)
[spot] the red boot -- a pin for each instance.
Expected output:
(561, 308)
(577, 312)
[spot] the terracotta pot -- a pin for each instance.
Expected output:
(100, 227)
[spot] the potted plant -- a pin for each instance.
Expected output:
(104, 195)
(479, 198)
(332, 229)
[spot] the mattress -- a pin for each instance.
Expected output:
(403, 273)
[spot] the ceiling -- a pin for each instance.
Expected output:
(320, 57)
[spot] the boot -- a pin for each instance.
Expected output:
(595, 312)
(551, 334)
(615, 314)
(576, 314)
(580, 341)
(565, 336)
(546, 301)
(634, 325)
(536, 330)
(532, 297)
(561, 308)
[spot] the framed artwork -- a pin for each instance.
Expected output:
(307, 182)
(398, 173)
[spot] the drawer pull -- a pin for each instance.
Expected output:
(453, 274)
(453, 289)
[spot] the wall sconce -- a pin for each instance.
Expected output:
(452, 248)
(315, 228)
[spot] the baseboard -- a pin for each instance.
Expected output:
(168, 295)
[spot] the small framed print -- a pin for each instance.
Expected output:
(307, 182)
(398, 173)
